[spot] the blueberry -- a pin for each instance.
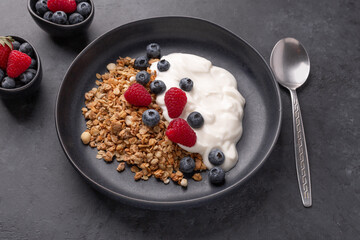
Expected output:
(163, 65)
(79, 1)
(33, 63)
(16, 45)
(75, 18)
(26, 77)
(84, 9)
(141, 63)
(8, 83)
(143, 77)
(33, 71)
(157, 87)
(2, 74)
(41, 7)
(26, 48)
(48, 16)
(195, 120)
(151, 117)
(216, 175)
(153, 50)
(187, 165)
(216, 156)
(59, 17)
(186, 84)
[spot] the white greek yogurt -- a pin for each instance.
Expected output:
(215, 96)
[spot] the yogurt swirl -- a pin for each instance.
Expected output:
(215, 96)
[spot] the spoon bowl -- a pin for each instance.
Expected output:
(290, 63)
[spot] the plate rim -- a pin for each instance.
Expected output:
(152, 204)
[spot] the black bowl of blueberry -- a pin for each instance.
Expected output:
(62, 18)
(20, 67)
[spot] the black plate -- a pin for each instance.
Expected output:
(175, 34)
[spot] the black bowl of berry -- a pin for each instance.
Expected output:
(62, 18)
(20, 67)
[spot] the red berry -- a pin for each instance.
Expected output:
(17, 64)
(5, 49)
(67, 6)
(137, 95)
(175, 101)
(180, 132)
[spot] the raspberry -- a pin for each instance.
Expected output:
(175, 101)
(180, 132)
(5, 49)
(67, 6)
(17, 64)
(137, 95)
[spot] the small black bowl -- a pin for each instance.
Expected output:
(31, 86)
(59, 30)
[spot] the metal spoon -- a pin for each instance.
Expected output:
(291, 66)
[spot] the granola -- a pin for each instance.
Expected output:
(116, 129)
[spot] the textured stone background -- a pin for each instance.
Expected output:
(43, 197)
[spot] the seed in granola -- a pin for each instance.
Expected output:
(134, 169)
(85, 137)
(111, 66)
(120, 167)
(184, 182)
(138, 175)
(154, 161)
(197, 177)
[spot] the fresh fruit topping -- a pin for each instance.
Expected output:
(216, 157)
(26, 48)
(84, 9)
(48, 16)
(186, 84)
(17, 64)
(150, 117)
(79, 1)
(143, 77)
(141, 63)
(59, 17)
(157, 87)
(33, 63)
(8, 83)
(137, 95)
(75, 18)
(180, 132)
(16, 45)
(2, 74)
(175, 101)
(41, 7)
(163, 65)
(67, 6)
(216, 175)
(26, 77)
(153, 50)
(195, 120)
(187, 165)
(32, 71)
(5, 49)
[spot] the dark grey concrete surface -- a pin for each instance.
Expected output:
(43, 197)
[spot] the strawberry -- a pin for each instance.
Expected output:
(67, 6)
(175, 101)
(17, 64)
(180, 132)
(5, 49)
(137, 95)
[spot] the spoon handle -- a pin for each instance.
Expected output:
(301, 155)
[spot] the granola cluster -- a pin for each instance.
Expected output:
(116, 129)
